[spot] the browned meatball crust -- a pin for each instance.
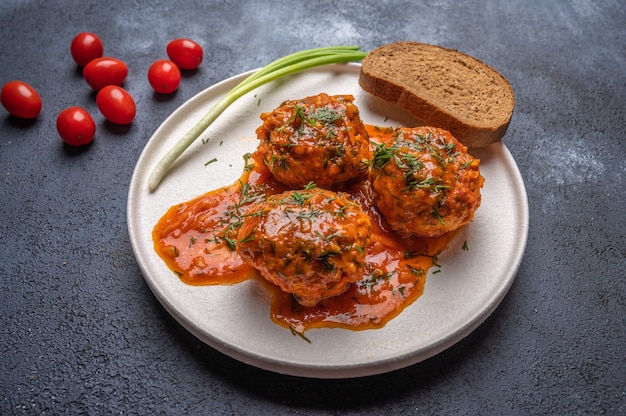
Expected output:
(425, 183)
(319, 139)
(311, 243)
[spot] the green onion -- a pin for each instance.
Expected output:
(281, 67)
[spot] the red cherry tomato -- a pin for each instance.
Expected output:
(104, 71)
(86, 47)
(164, 76)
(76, 126)
(20, 99)
(185, 53)
(116, 104)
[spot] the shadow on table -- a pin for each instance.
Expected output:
(338, 394)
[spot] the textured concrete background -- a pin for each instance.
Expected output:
(80, 331)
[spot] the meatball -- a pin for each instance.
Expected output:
(424, 182)
(319, 139)
(311, 242)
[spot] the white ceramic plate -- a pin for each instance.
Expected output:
(235, 319)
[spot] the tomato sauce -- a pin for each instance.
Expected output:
(196, 239)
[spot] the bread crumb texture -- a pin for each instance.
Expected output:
(442, 87)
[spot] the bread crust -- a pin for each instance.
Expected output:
(442, 88)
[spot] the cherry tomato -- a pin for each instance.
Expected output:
(164, 76)
(86, 47)
(116, 104)
(104, 71)
(76, 126)
(185, 53)
(20, 99)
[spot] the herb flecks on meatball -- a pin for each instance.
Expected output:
(319, 139)
(425, 182)
(310, 242)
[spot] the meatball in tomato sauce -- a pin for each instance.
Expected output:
(311, 242)
(319, 139)
(424, 182)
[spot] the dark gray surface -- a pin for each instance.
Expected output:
(82, 333)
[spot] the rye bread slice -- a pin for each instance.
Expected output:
(442, 88)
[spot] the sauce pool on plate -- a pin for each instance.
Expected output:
(197, 241)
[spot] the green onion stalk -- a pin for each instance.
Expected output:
(281, 67)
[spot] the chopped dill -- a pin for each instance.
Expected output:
(294, 332)
(381, 156)
(439, 217)
(326, 115)
(300, 112)
(248, 238)
(418, 271)
(299, 198)
(231, 243)
(247, 165)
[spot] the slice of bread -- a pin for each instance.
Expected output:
(442, 88)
